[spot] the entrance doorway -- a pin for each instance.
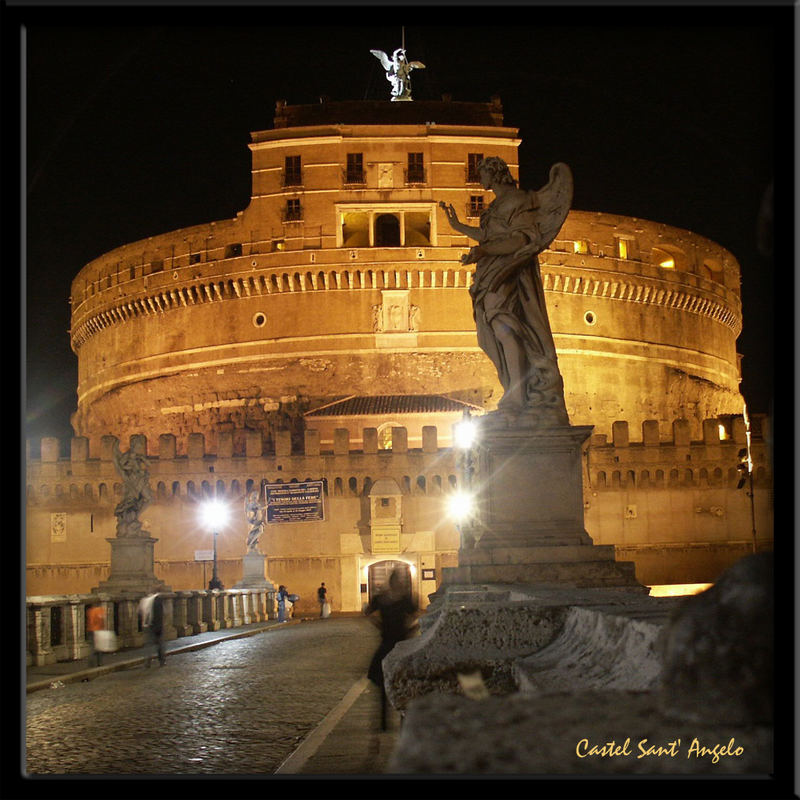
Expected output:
(379, 577)
(387, 231)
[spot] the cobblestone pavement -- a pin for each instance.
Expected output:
(240, 707)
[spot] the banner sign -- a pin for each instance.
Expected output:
(203, 555)
(294, 502)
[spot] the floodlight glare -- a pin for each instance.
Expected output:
(214, 514)
(465, 432)
(460, 505)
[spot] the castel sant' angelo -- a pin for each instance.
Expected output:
(326, 333)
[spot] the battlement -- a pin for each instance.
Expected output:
(622, 462)
(728, 430)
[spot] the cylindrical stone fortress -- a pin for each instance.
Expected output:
(342, 278)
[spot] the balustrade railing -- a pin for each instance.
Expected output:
(56, 624)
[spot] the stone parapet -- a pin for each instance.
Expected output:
(620, 684)
(56, 624)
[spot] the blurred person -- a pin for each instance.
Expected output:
(283, 597)
(396, 615)
(322, 599)
(95, 622)
(151, 611)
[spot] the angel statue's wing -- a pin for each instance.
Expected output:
(383, 58)
(553, 202)
(416, 64)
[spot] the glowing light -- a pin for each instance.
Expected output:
(465, 433)
(460, 505)
(678, 589)
(668, 263)
(214, 514)
(580, 246)
(723, 434)
(623, 248)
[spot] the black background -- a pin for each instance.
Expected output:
(136, 122)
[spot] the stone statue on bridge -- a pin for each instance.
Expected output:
(507, 292)
(137, 494)
(254, 514)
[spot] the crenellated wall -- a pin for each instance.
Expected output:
(233, 335)
(666, 501)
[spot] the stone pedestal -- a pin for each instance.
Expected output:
(528, 524)
(132, 567)
(254, 572)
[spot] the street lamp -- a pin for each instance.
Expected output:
(214, 515)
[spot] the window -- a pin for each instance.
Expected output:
(233, 250)
(157, 266)
(416, 168)
(473, 159)
(626, 247)
(667, 257)
(475, 205)
(293, 210)
(194, 258)
(355, 168)
(385, 436)
(712, 269)
(580, 246)
(291, 173)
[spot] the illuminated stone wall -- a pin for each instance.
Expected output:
(247, 323)
(215, 341)
(657, 499)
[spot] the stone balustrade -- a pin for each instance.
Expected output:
(56, 624)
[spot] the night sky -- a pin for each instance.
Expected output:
(132, 131)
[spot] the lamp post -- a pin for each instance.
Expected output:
(215, 515)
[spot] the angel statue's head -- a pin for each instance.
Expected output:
(399, 54)
(497, 168)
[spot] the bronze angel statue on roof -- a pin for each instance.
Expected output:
(398, 71)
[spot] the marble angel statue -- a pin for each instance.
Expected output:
(507, 292)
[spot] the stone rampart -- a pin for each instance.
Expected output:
(88, 471)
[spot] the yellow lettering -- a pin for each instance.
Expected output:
(585, 743)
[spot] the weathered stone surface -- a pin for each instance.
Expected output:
(541, 735)
(492, 629)
(468, 635)
(595, 649)
(718, 648)
(675, 687)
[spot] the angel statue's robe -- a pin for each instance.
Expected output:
(507, 291)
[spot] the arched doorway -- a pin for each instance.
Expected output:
(387, 231)
(379, 577)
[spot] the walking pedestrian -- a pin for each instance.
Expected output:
(322, 597)
(151, 610)
(396, 615)
(283, 597)
(95, 623)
